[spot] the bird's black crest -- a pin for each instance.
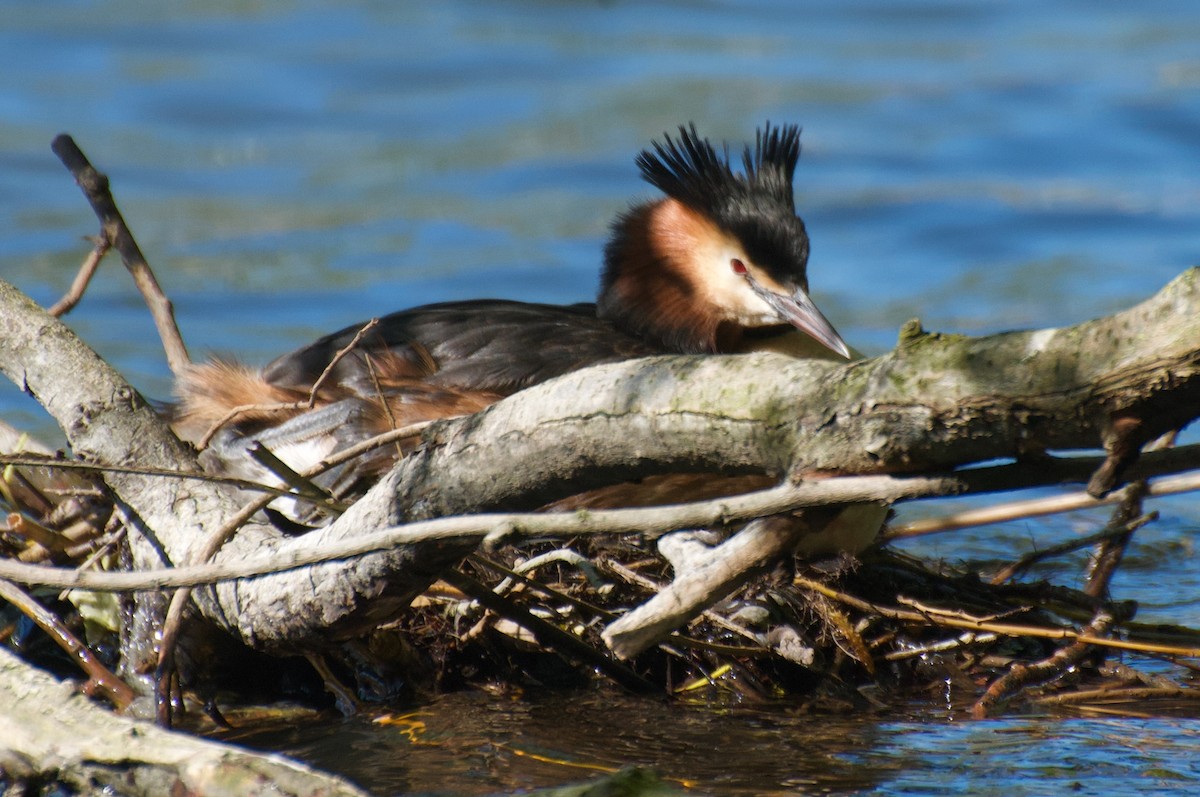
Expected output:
(756, 206)
(690, 170)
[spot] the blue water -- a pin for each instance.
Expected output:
(292, 166)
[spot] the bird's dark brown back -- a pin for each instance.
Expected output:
(488, 346)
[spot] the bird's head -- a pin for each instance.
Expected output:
(722, 254)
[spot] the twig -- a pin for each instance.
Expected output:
(286, 406)
(1020, 675)
(1108, 556)
(1037, 507)
(302, 485)
(732, 564)
(1030, 559)
(114, 689)
(548, 635)
(173, 621)
(1004, 629)
(1120, 695)
(551, 592)
(82, 279)
(114, 230)
(955, 643)
(73, 464)
(383, 402)
(349, 347)
(1123, 435)
(36, 533)
(242, 409)
(1110, 551)
(370, 444)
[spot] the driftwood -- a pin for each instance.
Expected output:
(53, 735)
(933, 403)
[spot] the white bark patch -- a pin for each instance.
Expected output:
(1038, 341)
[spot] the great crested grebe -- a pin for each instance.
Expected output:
(718, 265)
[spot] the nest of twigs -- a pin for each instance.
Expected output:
(844, 634)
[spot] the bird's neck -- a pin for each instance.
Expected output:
(651, 283)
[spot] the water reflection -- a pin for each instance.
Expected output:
(482, 744)
(479, 744)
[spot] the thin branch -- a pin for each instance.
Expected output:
(82, 279)
(1030, 508)
(548, 635)
(1108, 557)
(114, 230)
(1021, 675)
(114, 689)
(1033, 557)
(1137, 694)
(1003, 629)
(732, 563)
(1110, 551)
(166, 473)
(303, 486)
(242, 409)
(370, 444)
(286, 406)
(349, 347)
(173, 622)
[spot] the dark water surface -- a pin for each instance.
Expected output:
(482, 744)
(291, 167)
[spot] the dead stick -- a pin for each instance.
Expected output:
(547, 634)
(179, 602)
(349, 347)
(1030, 508)
(1122, 695)
(1108, 557)
(173, 622)
(646, 520)
(731, 564)
(1021, 675)
(1111, 551)
(242, 409)
(114, 230)
(117, 691)
(1004, 629)
(1030, 559)
(82, 279)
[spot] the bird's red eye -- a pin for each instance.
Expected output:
(738, 266)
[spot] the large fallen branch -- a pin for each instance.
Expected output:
(53, 735)
(933, 403)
